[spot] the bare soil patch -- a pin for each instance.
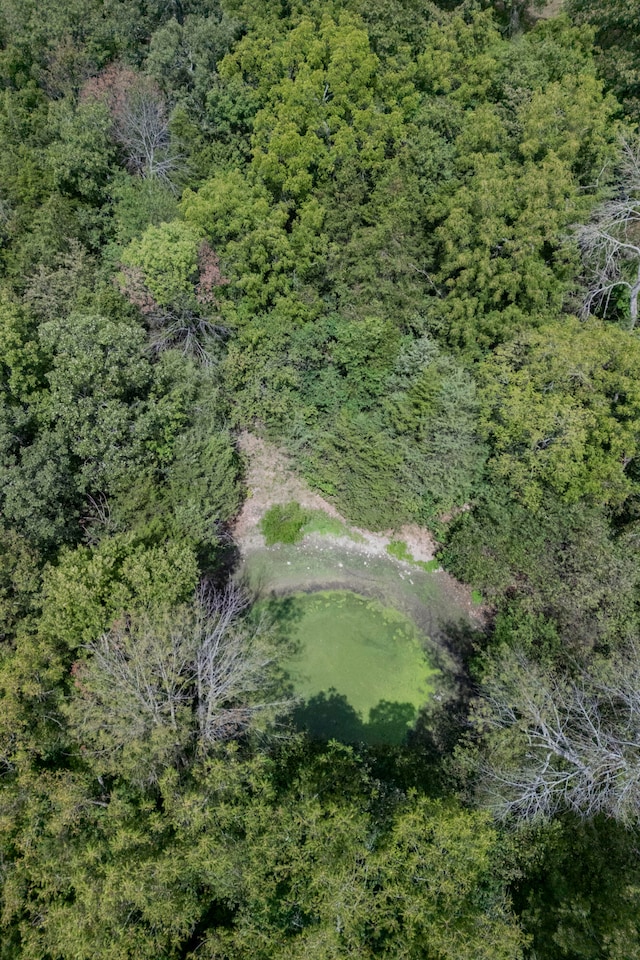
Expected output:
(271, 479)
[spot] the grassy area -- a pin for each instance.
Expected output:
(400, 550)
(321, 523)
(360, 666)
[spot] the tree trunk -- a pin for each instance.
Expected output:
(514, 17)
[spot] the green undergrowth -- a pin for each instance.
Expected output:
(321, 523)
(283, 523)
(289, 523)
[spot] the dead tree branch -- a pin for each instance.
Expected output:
(610, 242)
(557, 743)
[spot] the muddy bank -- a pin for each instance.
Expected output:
(440, 607)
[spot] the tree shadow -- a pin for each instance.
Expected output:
(390, 722)
(283, 612)
(330, 716)
(426, 762)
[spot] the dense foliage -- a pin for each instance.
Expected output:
(398, 238)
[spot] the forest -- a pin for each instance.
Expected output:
(400, 239)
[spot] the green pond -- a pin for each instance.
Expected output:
(358, 666)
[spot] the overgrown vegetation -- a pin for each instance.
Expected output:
(399, 239)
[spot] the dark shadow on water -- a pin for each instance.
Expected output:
(284, 613)
(389, 722)
(330, 716)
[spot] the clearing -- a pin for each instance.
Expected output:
(376, 632)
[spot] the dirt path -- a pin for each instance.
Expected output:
(271, 479)
(552, 9)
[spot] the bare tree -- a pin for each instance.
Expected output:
(552, 742)
(140, 120)
(142, 130)
(175, 682)
(231, 663)
(610, 242)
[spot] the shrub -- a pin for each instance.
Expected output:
(399, 550)
(283, 523)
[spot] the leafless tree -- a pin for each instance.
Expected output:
(140, 120)
(553, 742)
(97, 519)
(176, 682)
(231, 663)
(142, 130)
(184, 326)
(610, 242)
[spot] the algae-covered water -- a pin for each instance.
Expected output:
(359, 667)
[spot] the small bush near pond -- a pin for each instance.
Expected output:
(321, 523)
(283, 523)
(399, 550)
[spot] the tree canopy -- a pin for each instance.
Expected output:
(399, 241)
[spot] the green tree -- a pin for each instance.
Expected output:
(432, 407)
(360, 465)
(80, 158)
(97, 384)
(616, 32)
(526, 146)
(203, 488)
(139, 202)
(183, 57)
(560, 407)
(395, 896)
(580, 896)
(562, 563)
(168, 257)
